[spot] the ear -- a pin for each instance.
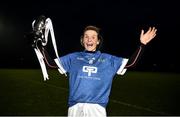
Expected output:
(81, 41)
(98, 42)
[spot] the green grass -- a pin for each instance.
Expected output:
(23, 92)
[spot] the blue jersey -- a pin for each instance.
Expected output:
(90, 76)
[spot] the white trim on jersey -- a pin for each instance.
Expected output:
(61, 69)
(121, 70)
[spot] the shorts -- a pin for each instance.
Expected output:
(86, 110)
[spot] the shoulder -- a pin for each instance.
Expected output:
(71, 55)
(107, 55)
(110, 56)
(74, 54)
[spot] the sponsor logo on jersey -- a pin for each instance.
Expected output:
(80, 58)
(101, 60)
(89, 70)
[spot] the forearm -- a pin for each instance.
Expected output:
(48, 60)
(136, 56)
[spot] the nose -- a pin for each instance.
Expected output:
(89, 39)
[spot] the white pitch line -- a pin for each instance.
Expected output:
(138, 107)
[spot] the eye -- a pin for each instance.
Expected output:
(94, 37)
(86, 36)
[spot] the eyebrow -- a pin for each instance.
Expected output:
(88, 35)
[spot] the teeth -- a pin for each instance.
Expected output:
(89, 44)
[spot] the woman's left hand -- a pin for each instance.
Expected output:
(148, 36)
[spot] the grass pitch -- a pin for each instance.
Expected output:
(23, 92)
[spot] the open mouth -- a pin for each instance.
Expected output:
(89, 45)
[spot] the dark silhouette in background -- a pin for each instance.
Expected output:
(120, 23)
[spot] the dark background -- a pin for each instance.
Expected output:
(120, 22)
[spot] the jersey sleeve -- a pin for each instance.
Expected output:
(64, 63)
(119, 64)
(122, 69)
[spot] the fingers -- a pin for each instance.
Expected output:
(154, 35)
(142, 32)
(151, 32)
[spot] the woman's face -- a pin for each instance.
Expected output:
(90, 40)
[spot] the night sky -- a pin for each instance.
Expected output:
(120, 22)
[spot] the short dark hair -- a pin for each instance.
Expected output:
(90, 27)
